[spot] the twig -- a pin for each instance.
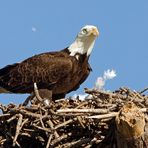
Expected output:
(4, 115)
(82, 104)
(141, 92)
(110, 115)
(78, 143)
(91, 143)
(2, 141)
(54, 142)
(99, 111)
(113, 114)
(144, 110)
(25, 103)
(27, 113)
(41, 128)
(49, 122)
(80, 121)
(3, 108)
(49, 141)
(25, 134)
(18, 128)
(24, 122)
(37, 93)
(12, 118)
(65, 123)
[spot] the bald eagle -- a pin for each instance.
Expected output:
(59, 72)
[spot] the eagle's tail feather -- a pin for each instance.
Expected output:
(4, 71)
(5, 77)
(3, 90)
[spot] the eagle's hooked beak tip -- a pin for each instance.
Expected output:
(95, 32)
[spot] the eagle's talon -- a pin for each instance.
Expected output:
(46, 102)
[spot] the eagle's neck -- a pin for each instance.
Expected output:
(80, 46)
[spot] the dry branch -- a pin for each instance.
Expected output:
(73, 123)
(98, 111)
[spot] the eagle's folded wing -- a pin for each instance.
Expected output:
(44, 69)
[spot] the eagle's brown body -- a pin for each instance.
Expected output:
(56, 71)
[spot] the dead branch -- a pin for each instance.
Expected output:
(76, 123)
(99, 111)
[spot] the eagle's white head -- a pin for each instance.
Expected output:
(84, 41)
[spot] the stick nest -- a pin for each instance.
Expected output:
(67, 122)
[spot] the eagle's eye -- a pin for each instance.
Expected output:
(84, 31)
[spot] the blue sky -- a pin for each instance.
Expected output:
(36, 26)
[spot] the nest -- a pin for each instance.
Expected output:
(69, 122)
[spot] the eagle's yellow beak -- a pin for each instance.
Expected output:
(94, 31)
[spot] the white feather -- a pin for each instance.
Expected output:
(84, 43)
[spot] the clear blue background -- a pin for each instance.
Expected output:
(122, 44)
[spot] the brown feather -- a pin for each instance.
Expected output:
(56, 71)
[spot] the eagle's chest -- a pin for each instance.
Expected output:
(80, 76)
(79, 73)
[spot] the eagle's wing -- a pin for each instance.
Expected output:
(44, 69)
